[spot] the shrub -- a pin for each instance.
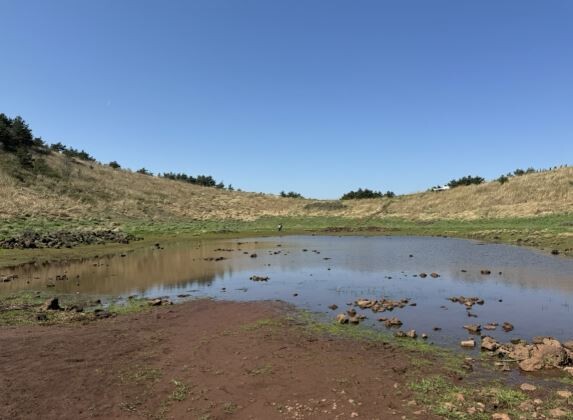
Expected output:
(466, 180)
(290, 194)
(502, 179)
(144, 172)
(361, 193)
(114, 165)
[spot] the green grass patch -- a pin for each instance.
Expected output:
(181, 391)
(442, 397)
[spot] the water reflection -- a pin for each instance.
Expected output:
(534, 291)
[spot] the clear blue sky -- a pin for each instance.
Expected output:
(318, 97)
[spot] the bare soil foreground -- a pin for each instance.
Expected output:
(202, 359)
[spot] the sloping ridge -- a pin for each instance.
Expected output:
(82, 189)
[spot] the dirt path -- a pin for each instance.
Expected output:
(199, 360)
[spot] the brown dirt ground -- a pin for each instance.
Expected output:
(199, 360)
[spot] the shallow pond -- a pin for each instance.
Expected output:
(531, 290)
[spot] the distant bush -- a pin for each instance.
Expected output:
(113, 164)
(389, 194)
(466, 180)
(361, 193)
(290, 194)
(502, 179)
(519, 172)
(144, 172)
(203, 180)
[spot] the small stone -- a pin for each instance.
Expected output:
(564, 394)
(489, 344)
(527, 387)
(507, 327)
(473, 328)
(333, 307)
(411, 334)
(52, 304)
(342, 319)
(468, 343)
(354, 414)
(557, 413)
(500, 416)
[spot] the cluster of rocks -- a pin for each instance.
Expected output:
(469, 302)
(541, 353)
(350, 317)
(65, 239)
(383, 304)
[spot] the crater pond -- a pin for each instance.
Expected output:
(526, 288)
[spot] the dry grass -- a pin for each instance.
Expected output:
(86, 190)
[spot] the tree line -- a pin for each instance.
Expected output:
(17, 138)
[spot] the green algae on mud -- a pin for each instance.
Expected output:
(549, 233)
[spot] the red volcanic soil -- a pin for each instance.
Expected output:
(199, 360)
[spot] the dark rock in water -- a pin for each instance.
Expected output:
(253, 255)
(555, 252)
(485, 272)
(259, 278)
(473, 328)
(437, 329)
(333, 307)
(183, 295)
(52, 304)
(507, 327)
(351, 312)
(434, 275)
(423, 275)
(393, 322)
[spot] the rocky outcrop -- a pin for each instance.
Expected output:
(65, 239)
(542, 353)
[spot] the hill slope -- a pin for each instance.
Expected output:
(77, 189)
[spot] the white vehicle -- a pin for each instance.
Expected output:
(441, 188)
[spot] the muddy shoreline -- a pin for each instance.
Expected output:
(201, 359)
(221, 359)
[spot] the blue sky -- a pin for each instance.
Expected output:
(319, 97)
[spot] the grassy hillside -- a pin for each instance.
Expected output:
(76, 189)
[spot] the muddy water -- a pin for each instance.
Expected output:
(534, 291)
